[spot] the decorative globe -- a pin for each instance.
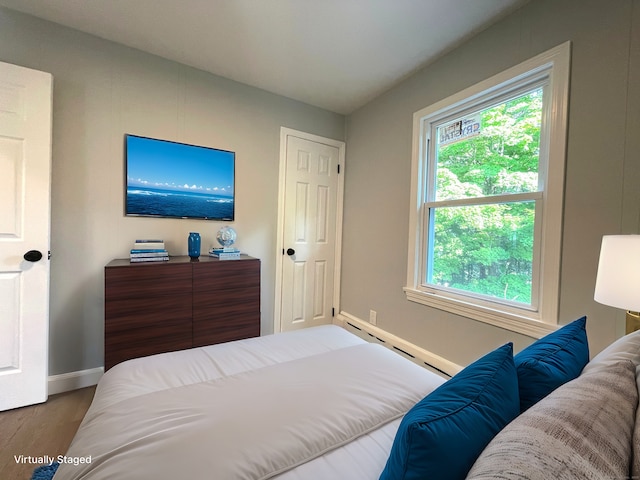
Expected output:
(226, 236)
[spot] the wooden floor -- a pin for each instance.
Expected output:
(38, 430)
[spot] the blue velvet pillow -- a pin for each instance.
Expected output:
(551, 361)
(443, 434)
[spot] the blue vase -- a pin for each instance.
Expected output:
(194, 245)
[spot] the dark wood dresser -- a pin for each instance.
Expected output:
(157, 307)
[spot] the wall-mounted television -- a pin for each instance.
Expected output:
(177, 180)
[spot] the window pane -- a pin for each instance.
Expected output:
(492, 152)
(485, 249)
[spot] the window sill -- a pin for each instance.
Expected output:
(493, 316)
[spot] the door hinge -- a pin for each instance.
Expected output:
(333, 312)
(338, 169)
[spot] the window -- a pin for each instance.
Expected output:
(487, 189)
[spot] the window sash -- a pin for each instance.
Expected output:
(429, 212)
(488, 200)
(491, 99)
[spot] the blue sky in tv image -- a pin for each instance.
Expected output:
(176, 166)
(178, 180)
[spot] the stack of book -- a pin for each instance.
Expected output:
(228, 253)
(149, 251)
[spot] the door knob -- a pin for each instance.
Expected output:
(33, 256)
(291, 251)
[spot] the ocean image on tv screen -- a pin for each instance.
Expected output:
(168, 179)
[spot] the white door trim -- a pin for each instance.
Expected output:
(341, 146)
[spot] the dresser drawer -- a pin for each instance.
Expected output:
(147, 280)
(147, 312)
(224, 275)
(140, 342)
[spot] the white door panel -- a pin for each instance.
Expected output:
(310, 226)
(25, 165)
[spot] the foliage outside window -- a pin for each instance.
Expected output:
(488, 177)
(487, 247)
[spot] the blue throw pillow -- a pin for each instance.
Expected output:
(443, 434)
(551, 361)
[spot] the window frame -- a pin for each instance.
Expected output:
(551, 68)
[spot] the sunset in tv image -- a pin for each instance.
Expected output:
(170, 179)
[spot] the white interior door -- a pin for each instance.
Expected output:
(25, 165)
(312, 201)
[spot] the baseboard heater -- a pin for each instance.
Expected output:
(418, 355)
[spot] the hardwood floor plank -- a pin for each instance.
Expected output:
(38, 430)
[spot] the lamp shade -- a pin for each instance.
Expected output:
(618, 280)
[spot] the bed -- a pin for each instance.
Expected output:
(317, 403)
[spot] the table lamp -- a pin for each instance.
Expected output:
(618, 279)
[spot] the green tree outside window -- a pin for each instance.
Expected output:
(487, 248)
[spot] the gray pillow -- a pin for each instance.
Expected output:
(581, 430)
(635, 463)
(625, 348)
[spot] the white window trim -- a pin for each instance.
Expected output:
(554, 64)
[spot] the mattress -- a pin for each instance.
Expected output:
(312, 404)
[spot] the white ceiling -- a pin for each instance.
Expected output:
(335, 54)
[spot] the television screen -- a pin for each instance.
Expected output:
(170, 179)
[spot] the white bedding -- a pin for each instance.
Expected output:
(313, 404)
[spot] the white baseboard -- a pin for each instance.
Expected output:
(74, 380)
(409, 349)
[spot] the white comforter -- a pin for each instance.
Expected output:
(248, 410)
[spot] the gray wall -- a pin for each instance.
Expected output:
(103, 90)
(602, 175)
